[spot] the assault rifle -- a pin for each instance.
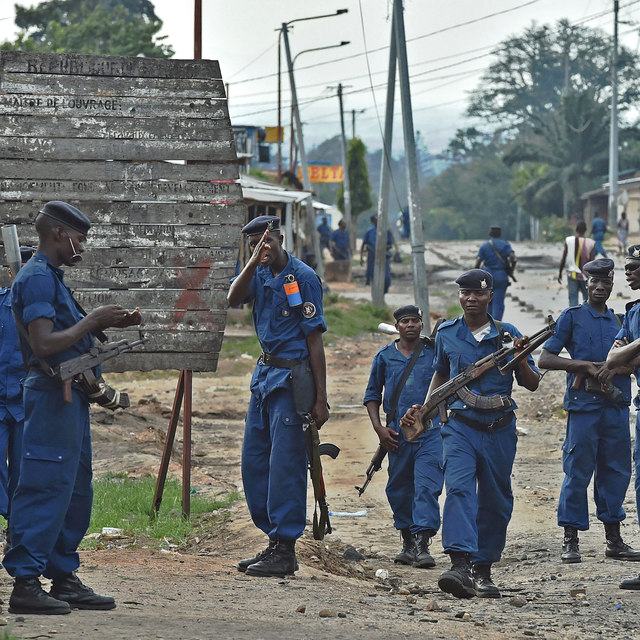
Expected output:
(457, 387)
(374, 465)
(609, 391)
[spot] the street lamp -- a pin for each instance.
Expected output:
(311, 226)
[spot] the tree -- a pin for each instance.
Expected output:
(569, 146)
(100, 27)
(534, 70)
(358, 179)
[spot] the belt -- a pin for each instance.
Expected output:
(481, 426)
(274, 361)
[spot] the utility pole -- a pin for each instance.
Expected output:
(197, 39)
(613, 136)
(420, 285)
(346, 188)
(311, 217)
(353, 120)
(377, 287)
(280, 111)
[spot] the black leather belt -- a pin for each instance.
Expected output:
(481, 426)
(275, 361)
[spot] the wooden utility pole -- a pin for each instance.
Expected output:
(346, 188)
(613, 134)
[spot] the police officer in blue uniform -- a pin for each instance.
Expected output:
(339, 242)
(479, 445)
(51, 508)
(369, 245)
(498, 258)
(11, 405)
(415, 468)
(289, 324)
(598, 439)
(598, 229)
(626, 352)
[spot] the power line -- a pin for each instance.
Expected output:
(254, 60)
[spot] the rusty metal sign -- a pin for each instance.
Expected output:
(144, 147)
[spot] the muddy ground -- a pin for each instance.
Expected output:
(195, 592)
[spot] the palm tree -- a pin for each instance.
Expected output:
(569, 149)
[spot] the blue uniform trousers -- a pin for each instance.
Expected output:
(576, 287)
(11, 442)
(597, 441)
(599, 249)
(371, 261)
(415, 482)
(479, 502)
(51, 508)
(636, 460)
(274, 465)
(496, 307)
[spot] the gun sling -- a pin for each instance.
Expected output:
(508, 268)
(480, 426)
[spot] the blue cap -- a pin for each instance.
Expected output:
(600, 268)
(476, 280)
(259, 225)
(67, 215)
(634, 252)
(26, 253)
(408, 311)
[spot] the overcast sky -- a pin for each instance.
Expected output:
(241, 34)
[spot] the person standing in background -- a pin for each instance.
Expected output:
(577, 251)
(598, 229)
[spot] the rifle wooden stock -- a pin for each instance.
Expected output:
(446, 393)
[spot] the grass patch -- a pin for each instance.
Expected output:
(125, 503)
(454, 311)
(233, 348)
(348, 318)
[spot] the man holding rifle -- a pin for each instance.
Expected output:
(51, 508)
(290, 377)
(597, 405)
(415, 468)
(479, 444)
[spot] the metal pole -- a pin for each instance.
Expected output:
(346, 188)
(518, 219)
(279, 110)
(420, 286)
(377, 287)
(353, 123)
(186, 444)
(311, 218)
(613, 136)
(197, 37)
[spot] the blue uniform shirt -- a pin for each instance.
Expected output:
(587, 335)
(341, 238)
(631, 331)
(492, 263)
(456, 349)
(387, 369)
(325, 232)
(11, 366)
(39, 292)
(597, 228)
(282, 330)
(369, 237)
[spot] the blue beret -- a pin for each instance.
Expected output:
(634, 252)
(600, 268)
(259, 225)
(67, 215)
(476, 280)
(408, 311)
(26, 253)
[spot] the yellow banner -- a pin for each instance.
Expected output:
(321, 173)
(272, 134)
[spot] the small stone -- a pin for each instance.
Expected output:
(581, 596)
(19, 619)
(341, 614)
(382, 574)
(327, 613)
(352, 555)
(518, 601)
(396, 583)
(528, 632)
(412, 599)
(466, 616)
(460, 614)
(404, 592)
(301, 609)
(524, 556)
(553, 577)
(577, 591)
(479, 624)
(4, 622)
(433, 606)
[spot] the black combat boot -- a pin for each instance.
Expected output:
(632, 584)
(279, 563)
(424, 560)
(28, 596)
(570, 547)
(261, 555)
(616, 547)
(408, 553)
(482, 582)
(457, 581)
(70, 589)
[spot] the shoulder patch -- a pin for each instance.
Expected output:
(630, 305)
(308, 310)
(448, 323)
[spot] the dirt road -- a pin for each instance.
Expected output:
(195, 592)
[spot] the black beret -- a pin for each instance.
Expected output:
(634, 252)
(408, 311)
(67, 215)
(600, 268)
(26, 253)
(259, 225)
(476, 280)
